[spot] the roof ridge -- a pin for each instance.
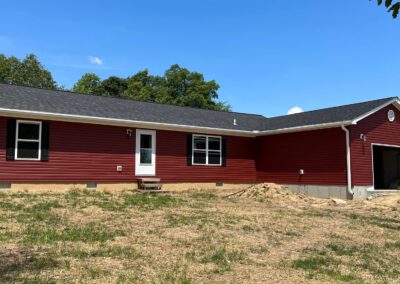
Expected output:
(124, 99)
(333, 107)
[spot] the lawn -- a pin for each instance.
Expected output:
(198, 236)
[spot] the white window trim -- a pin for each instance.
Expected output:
(372, 188)
(206, 150)
(28, 140)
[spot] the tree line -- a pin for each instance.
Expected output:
(178, 85)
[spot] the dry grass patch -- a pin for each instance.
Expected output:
(262, 236)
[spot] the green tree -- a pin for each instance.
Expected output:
(28, 72)
(142, 87)
(394, 8)
(89, 83)
(113, 87)
(178, 86)
(187, 88)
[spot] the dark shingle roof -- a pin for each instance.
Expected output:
(326, 115)
(62, 102)
(35, 99)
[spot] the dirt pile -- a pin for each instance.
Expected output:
(271, 191)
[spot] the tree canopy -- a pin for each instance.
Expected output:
(394, 8)
(28, 72)
(89, 83)
(178, 86)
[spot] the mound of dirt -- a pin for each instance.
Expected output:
(271, 191)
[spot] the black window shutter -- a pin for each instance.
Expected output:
(45, 142)
(10, 152)
(189, 147)
(223, 143)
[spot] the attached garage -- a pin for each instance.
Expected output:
(375, 151)
(348, 151)
(386, 167)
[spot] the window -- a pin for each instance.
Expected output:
(146, 148)
(206, 150)
(28, 140)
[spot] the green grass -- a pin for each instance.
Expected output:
(89, 234)
(95, 272)
(198, 218)
(328, 262)
(386, 223)
(11, 206)
(203, 195)
(177, 274)
(340, 249)
(395, 245)
(151, 202)
(110, 202)
(322, 266)
(112, 251)
(7, 235)
(221, 257)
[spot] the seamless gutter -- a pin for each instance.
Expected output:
(181, 127)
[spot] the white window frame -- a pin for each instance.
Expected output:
(145, 169)
(206, 150)
(18, 122)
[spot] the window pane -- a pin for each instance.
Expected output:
(199, 142)
(28, 131)
(214, 143)
(214, 158)
(145, 141)
(145, 156)
(28, 150)
(199, 157)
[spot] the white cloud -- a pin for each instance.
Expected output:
(95, 60)
(294, 110)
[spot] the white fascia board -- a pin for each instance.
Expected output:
(304, 128)
(183, 128)
(395, 102)
(121, 122)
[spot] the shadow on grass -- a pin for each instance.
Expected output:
(18, 264)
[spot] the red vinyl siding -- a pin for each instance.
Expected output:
(172, 163)
(321, 153)
(86, 152)
(378, 130)
(77, 153)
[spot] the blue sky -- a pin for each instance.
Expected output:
(267, 56)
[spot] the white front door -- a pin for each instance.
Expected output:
(145, 153)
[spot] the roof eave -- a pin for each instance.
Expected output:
(304, 128)
(394, 101)
(121, 122)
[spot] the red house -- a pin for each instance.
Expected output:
(57, 139)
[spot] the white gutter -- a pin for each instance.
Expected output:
(158, 125)
(348, 160)
(304, 128)
(178, 127)
(121, 122)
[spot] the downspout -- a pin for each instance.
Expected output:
(348, 160)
